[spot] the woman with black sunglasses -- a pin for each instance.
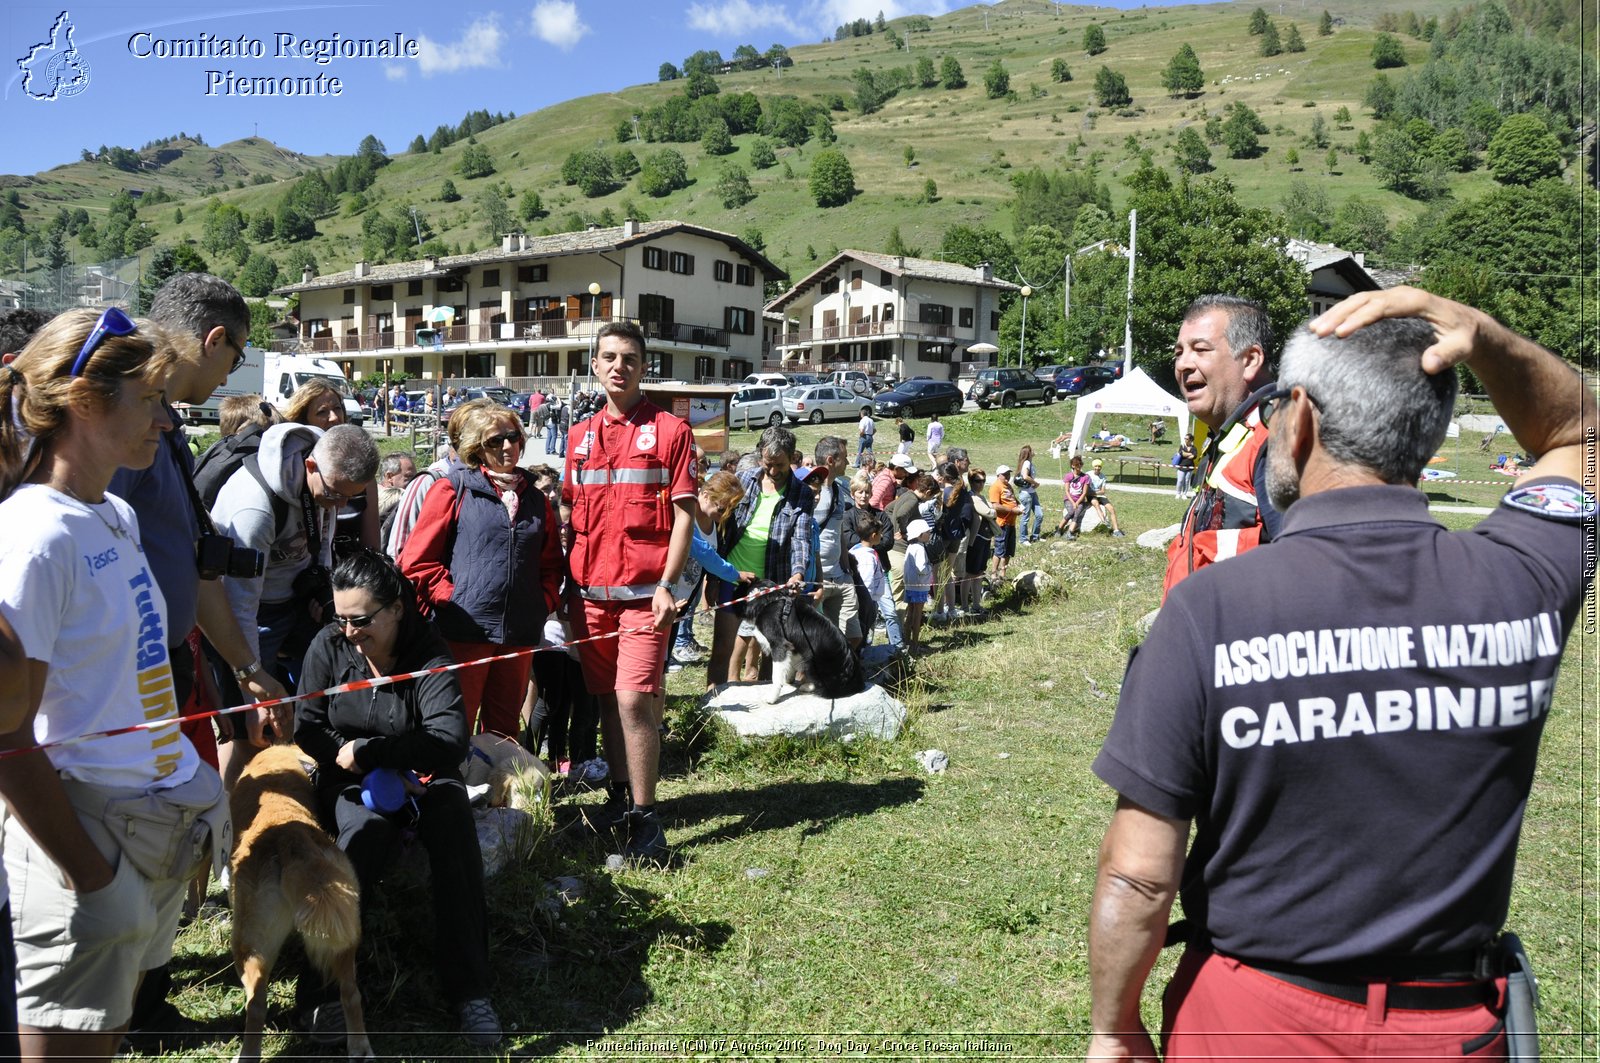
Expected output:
(416, 726)
(487, 561)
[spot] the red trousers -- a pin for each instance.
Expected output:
(499, 688)
(1217, 1008)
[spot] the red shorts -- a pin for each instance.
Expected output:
(1219, 1008)
(633, 660)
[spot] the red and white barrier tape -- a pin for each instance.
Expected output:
(362, 684)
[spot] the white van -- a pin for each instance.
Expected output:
(285, 373)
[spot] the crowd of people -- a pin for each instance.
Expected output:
(140, 586)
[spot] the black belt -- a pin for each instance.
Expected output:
(1406, 996)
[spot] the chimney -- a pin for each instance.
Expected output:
(630, 228)
(306, 273)
(430, 263)
(899, 262)
(1361, 259)
(361, 268)
(591, 227)
(511, 242)
(985, 271)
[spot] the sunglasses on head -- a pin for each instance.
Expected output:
(113, 322)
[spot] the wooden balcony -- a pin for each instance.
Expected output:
(919, 331)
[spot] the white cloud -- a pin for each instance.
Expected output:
(395, 72)
(557, 22)
(479, 46)
(830, 14)
(738, 18)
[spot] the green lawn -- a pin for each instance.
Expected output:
(837, 892)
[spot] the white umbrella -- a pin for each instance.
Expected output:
(442, 315)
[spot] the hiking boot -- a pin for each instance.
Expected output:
(647, 840)
(1119, 535)
(609, 815)
(688, 653)
(479, 1024)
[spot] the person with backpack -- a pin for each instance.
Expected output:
(486, 560)
(282, 502)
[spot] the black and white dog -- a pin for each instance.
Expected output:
(807, 651)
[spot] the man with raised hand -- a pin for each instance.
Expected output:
(1355, 749)
(1222, 362)
(628, 500)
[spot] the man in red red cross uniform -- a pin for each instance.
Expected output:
(627, 501)
(1221, 364)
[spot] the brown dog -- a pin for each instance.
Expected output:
(289, 875)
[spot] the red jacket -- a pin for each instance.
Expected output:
(485, 578)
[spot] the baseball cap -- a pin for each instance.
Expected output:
(900, 461)
(1002, 470)
(916, 529)
(1096, 463)
(805, 472)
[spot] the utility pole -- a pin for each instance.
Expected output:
(1127, 335)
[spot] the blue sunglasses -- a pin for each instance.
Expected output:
(112, 323)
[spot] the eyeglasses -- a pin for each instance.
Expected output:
(360, 622)
(238, 358)
(1276, 399)
(495, 442)
(112, 323)
(336, 493)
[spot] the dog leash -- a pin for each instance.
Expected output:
(360, 684)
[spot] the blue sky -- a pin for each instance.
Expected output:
(496, 55)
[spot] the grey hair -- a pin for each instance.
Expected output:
(391, 462)
(777, 438)
(1378, 409)
(347, 452)
(196, 303)
(828, 448)
(956, 453)
(1248, 323)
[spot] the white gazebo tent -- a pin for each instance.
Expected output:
(1134, 393)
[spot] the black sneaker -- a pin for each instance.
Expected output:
(647, 840)
(609, 815)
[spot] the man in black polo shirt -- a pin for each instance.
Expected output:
(1355, 739)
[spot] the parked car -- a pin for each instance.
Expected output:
(771, 380)
(1048, 373)
(1082, 379)
(1007, 386)
(918, 398)
(755, 405)
(823, 402)
(854, 379)
(803, 379)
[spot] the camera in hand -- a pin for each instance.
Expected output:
(216, 556)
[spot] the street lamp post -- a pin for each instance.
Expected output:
(1022, 345)
(594, 309)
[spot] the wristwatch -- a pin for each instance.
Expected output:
(666, 585)
(241, 674)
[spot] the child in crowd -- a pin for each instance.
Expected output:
(565, 719)
(864, 555)
(919, 580)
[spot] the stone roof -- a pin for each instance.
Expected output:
(582, 242)
(899, 266)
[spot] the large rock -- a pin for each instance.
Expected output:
(1158, 538)
(874, 713)
(1032, 583)
(505, 835)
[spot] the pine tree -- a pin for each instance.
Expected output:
(1270, 44)
(1325, 25)
(1183, 76)
(1292, 41)
(1258, 22)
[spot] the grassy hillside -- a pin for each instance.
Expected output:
(967, 144)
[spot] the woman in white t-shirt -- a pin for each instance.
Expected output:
(98, 901)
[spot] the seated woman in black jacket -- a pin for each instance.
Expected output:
(413, 726)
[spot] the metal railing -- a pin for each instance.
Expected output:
(517, 333)
(920, 330)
